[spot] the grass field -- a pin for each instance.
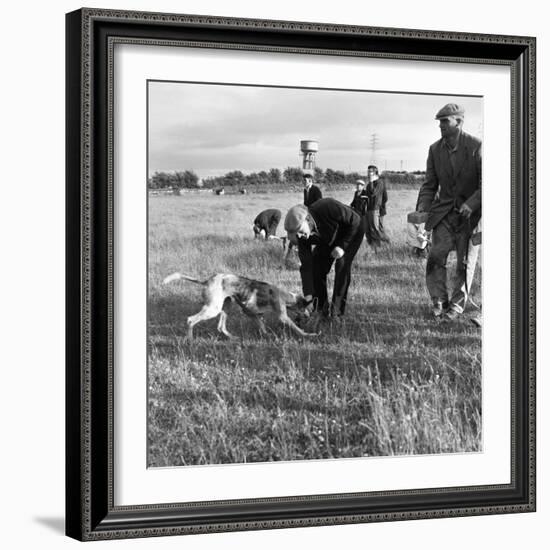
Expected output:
(388, 380)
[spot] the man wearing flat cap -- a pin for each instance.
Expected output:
(327, 232)
(360, 198)
(376, 208)
(451, 195)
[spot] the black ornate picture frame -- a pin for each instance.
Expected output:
(91, 337)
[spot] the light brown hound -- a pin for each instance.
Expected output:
(254, 297)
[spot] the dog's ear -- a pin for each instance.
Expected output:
(291, 298)
(297, 301)
(302, 302)
(303, 307)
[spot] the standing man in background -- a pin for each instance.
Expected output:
(360, 198)
(311, 192)
(453, 174)
(377, 196)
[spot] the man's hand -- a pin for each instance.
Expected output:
(465, 210)
(337, 253)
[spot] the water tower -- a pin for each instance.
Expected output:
(308, 149)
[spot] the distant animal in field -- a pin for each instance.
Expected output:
(242, 191)
(220, 191)
(254, 297)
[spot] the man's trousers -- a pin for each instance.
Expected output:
(453, 232)
(314, 269)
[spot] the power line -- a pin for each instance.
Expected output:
(373, 147)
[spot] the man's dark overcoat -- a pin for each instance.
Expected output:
(446, 187)
(312, 195)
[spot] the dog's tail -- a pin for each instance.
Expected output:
(176, 276)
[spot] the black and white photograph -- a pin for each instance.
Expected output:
(314, 273)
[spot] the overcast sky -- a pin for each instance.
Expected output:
(213, 129)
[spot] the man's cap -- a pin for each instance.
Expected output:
(451, 109)
(295, 217)
(307, 174)
(360, 182)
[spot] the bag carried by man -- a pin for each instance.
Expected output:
(417, 236)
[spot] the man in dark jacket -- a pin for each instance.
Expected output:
(376, 208)
(311, 192)
(451, 195)
(337, 233)
(267, 221)
(360, 198)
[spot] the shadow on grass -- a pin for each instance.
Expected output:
(167, 316)
(384, 324)
(168, 321)
(316, 358)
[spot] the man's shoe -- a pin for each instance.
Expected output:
(315, 320)
(477, 321)
(439, 309)
(451, 315)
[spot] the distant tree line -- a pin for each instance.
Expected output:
(401, 177)
(174, 180)
(237, 179)
(292, 175)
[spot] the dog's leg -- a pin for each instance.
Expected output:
(260, 323)
(286, 320)
(258, 319)
(207, 312)
(221, 324)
